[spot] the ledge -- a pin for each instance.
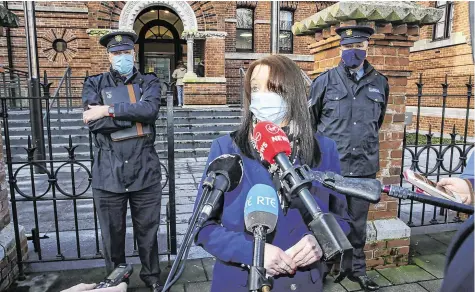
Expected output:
(7, 239)
(50, 8)
(388, 229)
(98, 31)
(397, 12)
(255, 56)
(455, 39)
(206, 80)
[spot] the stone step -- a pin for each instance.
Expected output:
(75, 130)
(84, 146)
(179, 153)
(177, 112)
(162, 121)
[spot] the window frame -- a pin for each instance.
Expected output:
(291, 34)
(448, 21)
(251, 30)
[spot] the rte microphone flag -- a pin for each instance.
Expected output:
(262, 208)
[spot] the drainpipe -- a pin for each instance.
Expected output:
(274, 21)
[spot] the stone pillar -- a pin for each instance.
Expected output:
(10, 252)
(189, 58)
(396, 27)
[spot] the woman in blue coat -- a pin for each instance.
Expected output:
(275, 91)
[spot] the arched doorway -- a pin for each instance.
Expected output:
(159, 45)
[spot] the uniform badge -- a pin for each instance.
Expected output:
(374, 89)
(349, 32)
(118, 38)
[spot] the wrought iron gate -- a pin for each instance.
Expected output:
(52, 197)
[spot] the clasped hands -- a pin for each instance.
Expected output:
(94, 113)
(305, 252)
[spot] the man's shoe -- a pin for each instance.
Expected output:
(156, 287)
(366, 283)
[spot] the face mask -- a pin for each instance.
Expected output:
(123, 63)
(353, 57)
(268, 106)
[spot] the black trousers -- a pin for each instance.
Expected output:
(145, 211)
(358, 211)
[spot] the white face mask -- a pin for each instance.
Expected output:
(268, 107)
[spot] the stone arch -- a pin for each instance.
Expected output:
(133, 8)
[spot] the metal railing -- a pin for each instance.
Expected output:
(437, 157)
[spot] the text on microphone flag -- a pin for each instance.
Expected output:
(270, 140)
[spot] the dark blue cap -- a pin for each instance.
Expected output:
(354, 34)
(118, 41)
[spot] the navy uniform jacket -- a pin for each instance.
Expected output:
(232, 245)
(128, 165)
(351, 115)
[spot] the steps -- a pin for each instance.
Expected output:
(194, 130)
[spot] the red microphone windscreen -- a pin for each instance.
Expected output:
(270, 140)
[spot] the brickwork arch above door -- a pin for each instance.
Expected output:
(133, 8)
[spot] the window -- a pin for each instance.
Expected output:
(244, 30)
(285, 34)
(443, 27)
(60, 45)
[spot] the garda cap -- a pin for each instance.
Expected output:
(354, 34)
(119, 41)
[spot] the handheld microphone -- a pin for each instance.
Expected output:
(363, 188)
(224, 174)
(403, 193)
(260, 217)
(274, 147)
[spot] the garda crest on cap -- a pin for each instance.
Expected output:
(118, 38)
(349, 32)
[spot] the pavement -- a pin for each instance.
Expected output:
(424, 273)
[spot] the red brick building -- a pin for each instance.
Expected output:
(444, 48)
(227, 35)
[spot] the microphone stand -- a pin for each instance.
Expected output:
(258, 280)
(191, 232)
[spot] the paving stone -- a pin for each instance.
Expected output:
(378, 278)
(425, 245)
(194, 272)
(444, 237)
(208, 264)
(330, 286)
(432, 286)
(405, 274)
(434, 264)
(198, 287)
(403, 288)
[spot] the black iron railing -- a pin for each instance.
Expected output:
(436, 157)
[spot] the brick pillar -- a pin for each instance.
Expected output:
(9, 253)
(214, 57)
(387, 236)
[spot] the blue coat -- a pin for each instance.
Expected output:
(232, 245)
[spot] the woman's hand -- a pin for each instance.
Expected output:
(277, 262)
(459, 186)
(306, 251)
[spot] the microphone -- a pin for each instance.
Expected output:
(224, 174)
(363, 188)
(260, 218)
(403, 193)
(274, 147)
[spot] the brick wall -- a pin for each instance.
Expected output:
(387, 253)
(214, 57)
(205, 93)
(454, 61)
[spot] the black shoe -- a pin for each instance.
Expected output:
(366, 283)
(156, 287)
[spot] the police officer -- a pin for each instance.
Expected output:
(348, 103)
(128, 170)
